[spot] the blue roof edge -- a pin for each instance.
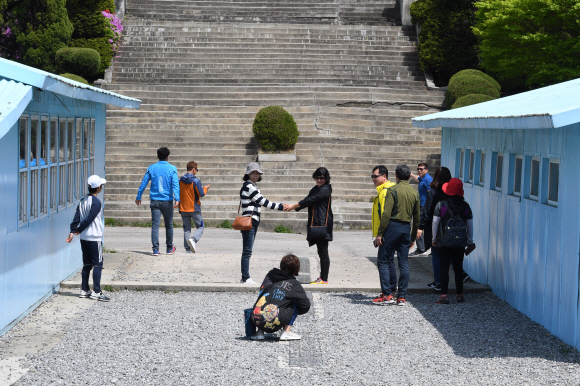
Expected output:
(63, 86)
(525, 122)
(14, 98)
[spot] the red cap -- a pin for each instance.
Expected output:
(453, 188)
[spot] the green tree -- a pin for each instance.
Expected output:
(447, 42)
(43, 28)
(535, 42)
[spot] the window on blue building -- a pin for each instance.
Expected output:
(62, 152)
(471, 165)
(461, 163)
(482, 169)
(23, 171)
(78, 160)
(34, 169)
(518, 175)
(535, 178)
(554, 179)
(43, 165)
(53, 161)
(70, 161)
(498, 171)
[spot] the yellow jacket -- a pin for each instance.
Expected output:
(378, 205)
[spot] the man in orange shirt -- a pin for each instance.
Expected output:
(190, 191)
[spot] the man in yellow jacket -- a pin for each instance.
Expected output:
(380, 179)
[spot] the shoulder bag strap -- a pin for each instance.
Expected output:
(327, 209)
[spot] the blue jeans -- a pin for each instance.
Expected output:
(197, 219)
(159, 208)
(386, 264)
(295, 313)
(397, 237)
(248, 238)
(436, 265)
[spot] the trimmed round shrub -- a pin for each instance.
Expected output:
(84, 62)
(275, 129)
(483, 75)
(471, 99)
(101, 45)
(468, 84)
(75, 78)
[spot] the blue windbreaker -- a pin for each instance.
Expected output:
(164, 182)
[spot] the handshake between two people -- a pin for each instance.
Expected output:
(289, 207)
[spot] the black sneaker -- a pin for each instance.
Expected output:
(437, 287)
(416, 253)
(431, 285)
(465, 277)
(99, 296)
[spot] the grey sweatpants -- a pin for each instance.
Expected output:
(197, 219)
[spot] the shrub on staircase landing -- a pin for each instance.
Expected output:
(483, 75)
(466, 85)
(275, 129)
(471, 99)
(84, 62)
(74, 77)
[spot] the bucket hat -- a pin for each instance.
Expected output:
(253, 166)
(453, 188)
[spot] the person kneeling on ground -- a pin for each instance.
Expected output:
(280, 301)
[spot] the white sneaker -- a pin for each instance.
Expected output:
(289, 335)
(191, 244)
(249, 281)
(85, 294)
(258, 335)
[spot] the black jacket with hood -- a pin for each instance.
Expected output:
(275, 305)
(318, 201)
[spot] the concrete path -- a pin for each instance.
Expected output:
(216, 265)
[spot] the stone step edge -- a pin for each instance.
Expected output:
(414, 288)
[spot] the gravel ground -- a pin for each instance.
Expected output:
(146, 338)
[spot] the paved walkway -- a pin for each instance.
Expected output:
(216, 266)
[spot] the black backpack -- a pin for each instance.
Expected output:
(454, 232)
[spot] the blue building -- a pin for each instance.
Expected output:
(510, 153)
(52, 137)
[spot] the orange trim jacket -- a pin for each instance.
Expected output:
(190, 191)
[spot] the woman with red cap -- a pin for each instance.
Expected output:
(452, 233)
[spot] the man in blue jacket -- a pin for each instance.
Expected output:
(164, 188)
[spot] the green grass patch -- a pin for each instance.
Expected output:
(109, 250)
(282, 229)
(109, 288)
(148, 224)
(111, 222)
(225, 225)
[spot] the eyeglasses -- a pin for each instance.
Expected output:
(319, 178)
(420, 168)
(373, 176)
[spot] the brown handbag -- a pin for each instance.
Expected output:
(319, 232)
(242, 223)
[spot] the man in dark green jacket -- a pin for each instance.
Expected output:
(402, 207)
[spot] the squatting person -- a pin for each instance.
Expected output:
(280, 301)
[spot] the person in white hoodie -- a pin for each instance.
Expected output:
(88, 222)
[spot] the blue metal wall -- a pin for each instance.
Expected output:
(34, 258)
(527, 251)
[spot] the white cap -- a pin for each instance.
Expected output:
(95, 181)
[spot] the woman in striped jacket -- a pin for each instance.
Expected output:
(252, 202)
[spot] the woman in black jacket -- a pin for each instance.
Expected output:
(436, 194)
(319, 204)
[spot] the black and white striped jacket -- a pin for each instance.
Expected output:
(252, 201)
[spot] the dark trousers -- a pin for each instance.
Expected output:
(382, 259)
(248, 238)
(421, 240)
(322, 247)
(397, 237)
(158, 209)
(92, 260)
(454, 256)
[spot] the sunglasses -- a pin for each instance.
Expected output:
(373, 176)
(319, 178)
(420, 168)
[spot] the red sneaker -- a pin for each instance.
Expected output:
(401, 302)
(383, 300)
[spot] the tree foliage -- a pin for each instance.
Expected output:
(83, 62)
(493, 82)
(447, 42)
(275, 129)
(86, 17)
(42, 28)
(74, 77)
(471, 99)
(532, 41)
(466, 85)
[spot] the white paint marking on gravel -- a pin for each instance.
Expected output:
(11, 370)
(318, 309)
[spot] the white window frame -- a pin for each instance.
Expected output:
(550, 162)
(532, 197)
(24, 172)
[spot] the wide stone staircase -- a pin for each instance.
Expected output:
(203, 70)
